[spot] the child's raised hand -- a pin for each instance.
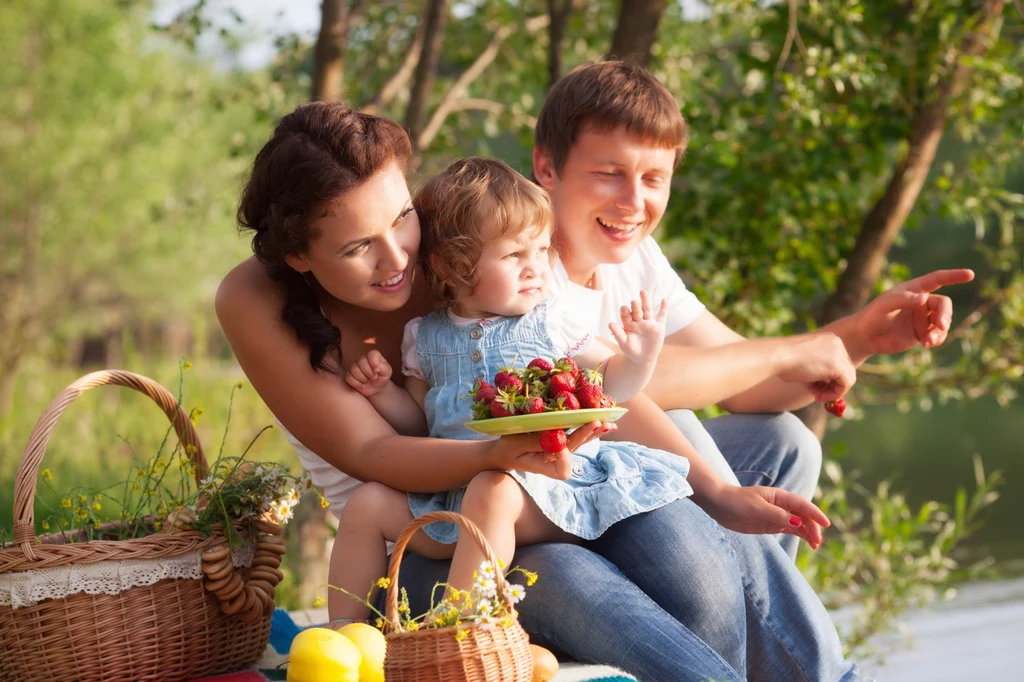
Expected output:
(369, 374)
(642, 333)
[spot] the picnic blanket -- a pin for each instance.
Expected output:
(284, 628)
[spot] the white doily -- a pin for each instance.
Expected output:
(107, 577)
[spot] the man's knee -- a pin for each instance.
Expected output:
(803, 453)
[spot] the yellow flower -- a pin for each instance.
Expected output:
(81, 514)
(384, 583)
(46, 525)
(379, 623)
(501, 563)
(186, 366)
(461, 635)
(318, 602)
(403, 607)
(531, 578)
(413, 625)
(47, 475)
(97, 506)
(506, 622)
(136, 487)
(324, 503)
(82, 499)
(65, 503)
(190, 449)
(240, 384)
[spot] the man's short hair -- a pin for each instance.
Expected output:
(603, 96)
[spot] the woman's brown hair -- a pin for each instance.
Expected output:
(317, 153)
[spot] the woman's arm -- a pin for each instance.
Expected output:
(332, 419)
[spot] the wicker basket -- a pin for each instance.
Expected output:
(501, 654)
(173, 629)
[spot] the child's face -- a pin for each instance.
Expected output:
(512, 276)
(609, 196)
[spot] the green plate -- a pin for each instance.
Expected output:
(544, 421)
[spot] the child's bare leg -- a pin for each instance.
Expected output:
(507, 517)
(375, 514)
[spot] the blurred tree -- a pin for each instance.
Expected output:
(115, 158)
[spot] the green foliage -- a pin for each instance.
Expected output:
(119, 173)
(787, 157)
(885, 556)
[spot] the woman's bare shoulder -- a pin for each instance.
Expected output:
(248, 283)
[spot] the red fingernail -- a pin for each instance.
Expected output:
(794, 521)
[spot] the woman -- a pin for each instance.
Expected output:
(334, 276)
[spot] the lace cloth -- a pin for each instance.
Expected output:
(28, 588)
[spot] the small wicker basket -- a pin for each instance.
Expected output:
(501, 654)
(173, 629)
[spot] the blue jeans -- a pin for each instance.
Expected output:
(775, 450)
(671, 596)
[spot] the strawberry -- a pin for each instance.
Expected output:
(562, 382)
(836, 407)
(568, 365)
(533, 405)
(508, 382)
(590, 396)
(484, 392)
(567, 401)
(553, 441)
(592, 377)
(541, 364)
(502, 407)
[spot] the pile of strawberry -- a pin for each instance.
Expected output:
(543, 386)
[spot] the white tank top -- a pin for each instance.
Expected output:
(336, 485)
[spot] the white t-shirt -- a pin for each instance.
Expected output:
(571, 328)
(647, 268)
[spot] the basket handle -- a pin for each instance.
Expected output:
(28, 470)
(391, 600)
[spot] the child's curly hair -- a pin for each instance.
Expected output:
(473, 198)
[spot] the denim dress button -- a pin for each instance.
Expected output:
(475, 333)
(578, 470)
(476, 356)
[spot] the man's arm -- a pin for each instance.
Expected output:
(706, 363)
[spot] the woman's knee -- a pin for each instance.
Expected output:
(367, 502)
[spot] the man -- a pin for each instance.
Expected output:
(608, 140)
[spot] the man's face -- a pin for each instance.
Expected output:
(610, 194)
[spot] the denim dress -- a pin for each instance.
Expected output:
(610, 481)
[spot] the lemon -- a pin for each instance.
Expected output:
(545, 665)
(371, 645)
(320, 654)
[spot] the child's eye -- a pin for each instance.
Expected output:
(544, 249)
(514, 254)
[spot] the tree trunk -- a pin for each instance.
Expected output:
(885, 219)
(329, 58)
(426, 67)
(560, 11)
(637, 30)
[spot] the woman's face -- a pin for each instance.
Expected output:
(365, 246)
